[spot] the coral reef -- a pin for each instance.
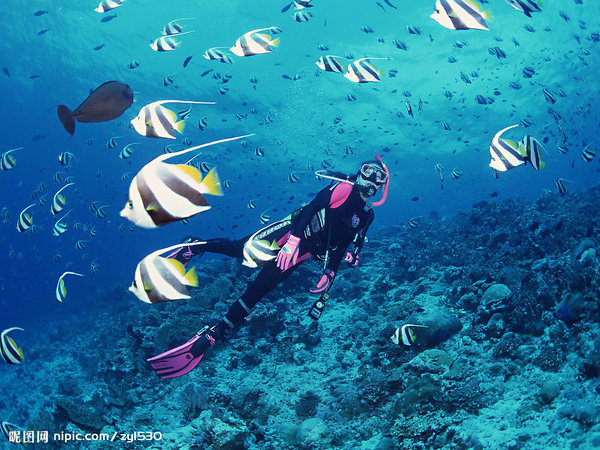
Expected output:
(509, 357)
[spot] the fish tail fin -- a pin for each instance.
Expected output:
(487, 15)
(212, 183)
(275, 42)
(542, 165)
(179, 126)
(191, 278)
(66, 118)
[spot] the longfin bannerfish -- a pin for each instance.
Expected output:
(301, 16)
(174, 27)
(293, 177)
(330, 63)
(264, 216)
(525, 6)
(215, 53)
(161, 193)
(533, 151)
(158, 279)
(362, 71)
(166, 43)
(59, 226)
(65, 158)
(8, 161)
(460, 15)
(406, 334)
(11, 353)
(25, 221)
(257, 250)
(154, 120)
(300, 4)
(61, 289)
(561, 185)
(127, 151)
(59, 201)
(588, 153)
(255, 43)
(107, 5)
(505, 154)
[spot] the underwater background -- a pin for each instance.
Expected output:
(501, 267)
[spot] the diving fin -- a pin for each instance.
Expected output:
(183, 359)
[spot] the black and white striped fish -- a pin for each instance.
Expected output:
(61, 289)
(293, 177)
(166, 43)
(214, 53)
(460, 15)
(258, 251)
(65, 158)
(154, 120)
(127, 151)
(59, 201)
(161, 193)
(107, 5)
(59, 226)
(533, 152)
(8, 161)
(12, 432)
(561, 186)
(413, 222)
(505, 153)
(330, 63)
(158, 279)
(588, 153)
(406, 334)
(174, 27)
(265, 216)
(301, 16)
(25, 220)
(525, 6)
(362, 71)
(255, 43)
(11, 353)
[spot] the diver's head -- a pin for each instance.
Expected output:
(372, 176)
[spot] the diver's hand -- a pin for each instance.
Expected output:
(325, 282)
(288, 255)
(351, 259)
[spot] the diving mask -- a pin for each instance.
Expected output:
(373, 173)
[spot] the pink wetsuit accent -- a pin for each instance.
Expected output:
(340, 194)
(284, 239)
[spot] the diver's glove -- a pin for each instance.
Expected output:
(351, 259)
(325, 282)
(288, 255)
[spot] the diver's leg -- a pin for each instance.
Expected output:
(227, 247)
(266, 280)
(181, 360)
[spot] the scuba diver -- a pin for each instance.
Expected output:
(339, 215)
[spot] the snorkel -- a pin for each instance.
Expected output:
(387, 182)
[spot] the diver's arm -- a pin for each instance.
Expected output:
(351, 258)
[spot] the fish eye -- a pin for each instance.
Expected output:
(134, 284)
(130, 205)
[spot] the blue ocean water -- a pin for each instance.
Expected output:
(300, 116)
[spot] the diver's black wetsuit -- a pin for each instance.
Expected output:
(335, 218)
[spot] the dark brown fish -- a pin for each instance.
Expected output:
(108, 101)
